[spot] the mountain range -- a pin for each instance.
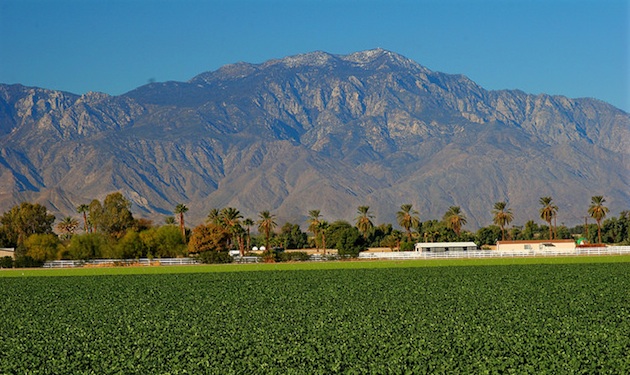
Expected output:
(315, 131)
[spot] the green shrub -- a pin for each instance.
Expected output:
(299, 256)
(214, 257)
(27, 262)
(406, 246)
(6, 262)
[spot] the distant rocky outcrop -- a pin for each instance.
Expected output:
(314, 131)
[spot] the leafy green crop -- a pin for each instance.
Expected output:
(496, 319)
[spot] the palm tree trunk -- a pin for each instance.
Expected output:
(182, 226)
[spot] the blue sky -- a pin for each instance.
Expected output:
(577, 48)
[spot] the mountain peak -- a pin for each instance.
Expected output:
(317, 58)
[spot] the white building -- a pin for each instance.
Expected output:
(436, 247)
(537, 245)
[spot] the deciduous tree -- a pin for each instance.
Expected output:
(208, 237)
(42, 247)
(25, 220)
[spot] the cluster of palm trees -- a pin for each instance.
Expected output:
(238, 227)
(231, 219)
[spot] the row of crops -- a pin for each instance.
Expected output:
(491, 319)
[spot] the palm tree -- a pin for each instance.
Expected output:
(313, 225)
(169, 220)
(321, 228)
(408, 218)
(84, 209)
(502, 217)
(598, 211)
(230, 219)
(455, 219)
(67, 226)
(180, 210)
(548, 212)
(266, 224)
(214, 217)
(364, 222)
(248, 223)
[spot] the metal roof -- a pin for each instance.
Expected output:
(445, 244)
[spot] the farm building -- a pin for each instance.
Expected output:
(445, 246)
(537, 245)
(7, 252)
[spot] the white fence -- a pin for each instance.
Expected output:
(611, 250)
(121, 262)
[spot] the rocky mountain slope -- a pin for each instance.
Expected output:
(314, 131)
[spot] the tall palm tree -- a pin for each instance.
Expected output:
(321, 228)
(313, 225)
(266, 224)
(548, 212)
(180, 210)
(408, 218)
(230, 219)
(455, 219)
(248, 223)
(84, 209)
(598, 211)
(364, 220)
(502, 217)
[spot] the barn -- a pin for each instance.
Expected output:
(437, 247)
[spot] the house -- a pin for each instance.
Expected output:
(537, 245)
(436, 247)
(7, 252)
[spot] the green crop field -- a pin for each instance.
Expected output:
(362, 318)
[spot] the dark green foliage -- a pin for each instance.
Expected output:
(26, 261)
(378, 233)
(214, 257)
(6, 262)
(333, 231)
(407, 246)
(288, 256)
(538, 319)
(292, 237)
(488, 235)
(349, 242)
